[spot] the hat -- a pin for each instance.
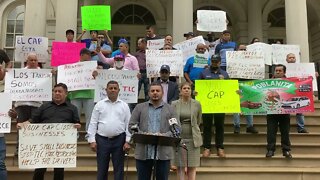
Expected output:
(119, 56)
(122, 40)
(165, 67)
(188, 34)
(215, 57)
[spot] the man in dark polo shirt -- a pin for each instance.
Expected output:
(56, 111)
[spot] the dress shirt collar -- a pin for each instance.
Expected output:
(161, 104)
(108, 100)
(164, 82)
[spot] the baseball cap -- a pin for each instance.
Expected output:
(215, 57)
(188, 34)
(122, 40)
(119, 56)
(165, 67)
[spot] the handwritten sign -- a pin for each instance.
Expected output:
(128, 82)
(96, 17)
(27, 44)
(29, 84)
(155, 44)
(65, 53)
(200, 60)
(156, 58)
(266, 49)
(212, 21)
(245, 64)
(188, 47)
(218, 96)
(280, 52)
(302, 70)
(48, 146)
(5, 106)
(77, 76)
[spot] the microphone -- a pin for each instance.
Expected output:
(174, 127)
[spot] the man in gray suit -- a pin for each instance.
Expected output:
(152, 117)
(170, 88)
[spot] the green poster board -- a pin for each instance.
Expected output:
(96, 17)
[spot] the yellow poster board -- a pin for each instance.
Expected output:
(218, 96)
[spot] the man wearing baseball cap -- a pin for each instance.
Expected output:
(189, 35)
(170, 88)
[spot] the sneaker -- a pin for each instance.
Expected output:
(303, 131)
(236, 130)
(269, 154)
(206, 152)
(252, 130)
(220, 153)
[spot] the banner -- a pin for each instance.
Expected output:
(218, 96)
(96, 17)
(302, 70)
(245, 65)
(65, 53)
(5, 106)
(277, 96)
(280, 52)
(128, 82)
(155, 44)
(200, 60)
(156, 58)
(211, 21)
(77, 76)
(48, 146)
(266, 49)
(27, 44)
(29, 84)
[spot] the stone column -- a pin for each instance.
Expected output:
(182, 19)
(254, 20)
(66, 18)
(297, 26)
(35, 18)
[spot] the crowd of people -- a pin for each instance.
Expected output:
(111, 122)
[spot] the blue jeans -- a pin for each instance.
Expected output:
(236, 120)
(144, 169)
(3, 169)
(300, 121)
(145, 81)
(113, 147)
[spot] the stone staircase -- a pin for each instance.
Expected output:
(245, 156)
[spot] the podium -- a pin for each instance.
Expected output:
(156, 140)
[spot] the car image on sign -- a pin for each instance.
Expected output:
(296, 102)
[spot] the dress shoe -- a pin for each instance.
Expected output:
(303, 131)
(206, 152)
(220, 153)
(236, 130)
(287, 154)
(269, 154)
(252, 130)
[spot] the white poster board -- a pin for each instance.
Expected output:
(5, 106)
(211, 21)
(200, 60)
(155, 44)
(77, 76)
(128, 82)
(280, 52)
(27, 44)
(156, 58)
(51, 145)
(266, 49)
(245, 64)
(29, 84)
(302, 70)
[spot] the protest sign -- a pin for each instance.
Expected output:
(245, 64)
(27, 44)
(212, 21)
(277, 96)
(29, 84)
(155, 44)
(218, 96)
(200, 60)
(65, 53)
(266, 49)
(189, 47)
(77, 76)
(51, 145)
(96, 17)
(5, 106)
(280, 52)
(128, 83)
(302, 70)
(156, 58)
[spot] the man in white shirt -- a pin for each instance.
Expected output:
(108, 132)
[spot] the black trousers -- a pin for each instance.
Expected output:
(273, 122)
(207, 129)
(39, 174)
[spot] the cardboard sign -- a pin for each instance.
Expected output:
(280, 52)
(5, 106)
(200, 60)
(211, 21)
(155, 44)
(218, 96)
(245, 64)
(65, 53)
(27, 44)
(96, 17)
(77, 76)
(302, 70)
(156, 58)
(266, 49)
(277, 96)
(48, 146)
(29, 84)
(128, 82)
(188, 47)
